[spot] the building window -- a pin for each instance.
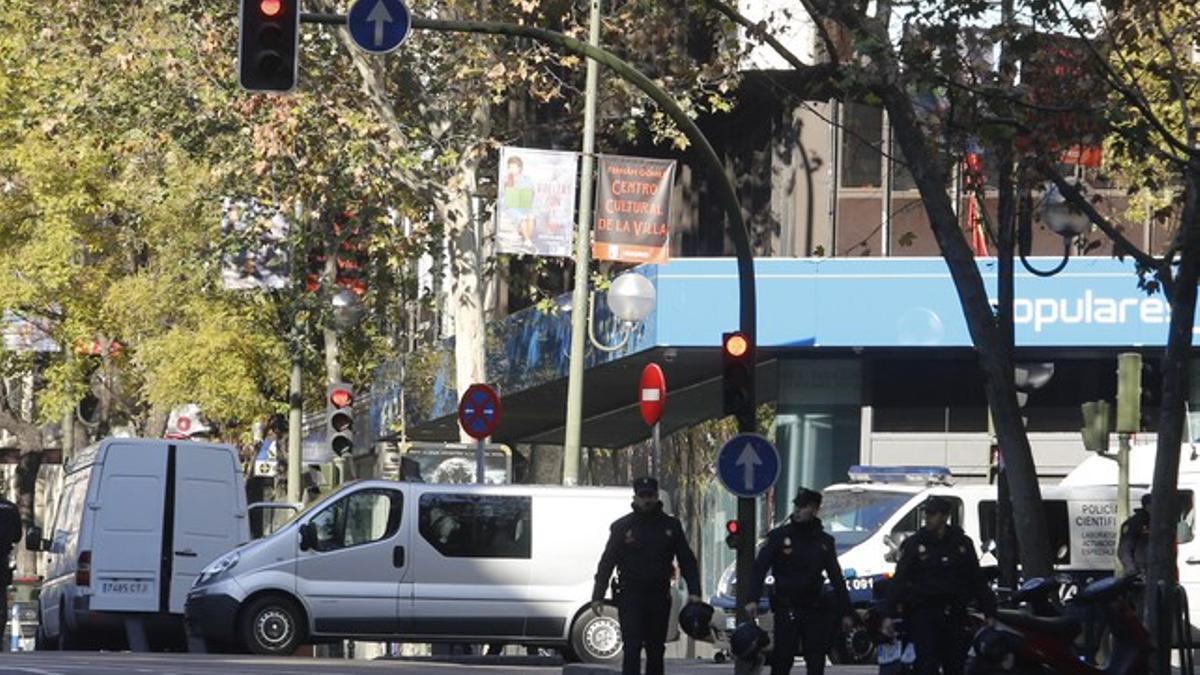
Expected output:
(477, 526)
(862, 137)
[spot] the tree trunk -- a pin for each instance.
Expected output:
(28, 465)
(1175, 389)
(1028, 518)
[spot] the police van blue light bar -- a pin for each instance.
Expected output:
(899, 474)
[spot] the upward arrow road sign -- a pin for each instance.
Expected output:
(748, 465)
(379, 26)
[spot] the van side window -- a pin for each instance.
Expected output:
(360, 518)
(915, 518)
(477, 526)
(1185, 530)
(1058, 525)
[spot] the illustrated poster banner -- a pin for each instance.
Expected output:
(258, 259)
(535, 204)
(633, 209)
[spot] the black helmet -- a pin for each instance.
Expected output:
(695, 619)
(747, 640)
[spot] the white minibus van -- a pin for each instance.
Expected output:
(404, 561)
(871, 515)
(136, 522)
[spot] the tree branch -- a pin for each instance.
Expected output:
(759, 32)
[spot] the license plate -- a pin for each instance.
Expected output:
(125, 587)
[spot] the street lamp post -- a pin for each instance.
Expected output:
(1067, 222)
(631, 298)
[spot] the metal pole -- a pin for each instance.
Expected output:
(479, 461)
(579, 311)
(295, 393)
(1122, 491)
(655, 451)
(1006, 536)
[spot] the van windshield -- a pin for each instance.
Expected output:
(853, 515)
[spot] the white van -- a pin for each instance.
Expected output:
(398, 561)
(136, 522)
(1098, 470)
(870, 516)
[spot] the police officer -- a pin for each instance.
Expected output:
(642, 546)
(801, 555)
(10, 534)
(936, 576)
(1133, 547)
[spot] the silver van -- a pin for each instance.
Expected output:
(399, 561)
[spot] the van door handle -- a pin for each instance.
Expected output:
(398, 556)
(1193, 561)
(187, 553)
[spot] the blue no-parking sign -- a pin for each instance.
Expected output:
(379, 26)
(748, 465)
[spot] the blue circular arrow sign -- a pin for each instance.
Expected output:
(379, 26)
(748, 465)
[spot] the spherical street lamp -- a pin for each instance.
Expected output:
(1061, 217)
(631, 298)
(347, 308)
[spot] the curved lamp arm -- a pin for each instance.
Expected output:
(591, 328)
(1049, 273)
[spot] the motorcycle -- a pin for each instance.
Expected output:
(1044, 640)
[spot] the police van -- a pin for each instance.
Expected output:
(870, 516)
(404, 561)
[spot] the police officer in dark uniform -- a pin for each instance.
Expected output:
(1133, 546)
(936, 576)
(801, 555)
(642, 546)
(10, 534)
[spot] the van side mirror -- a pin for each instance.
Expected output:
(33, 539)
(308, 537)
(893, 549)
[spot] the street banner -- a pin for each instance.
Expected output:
(633, 209)
(25, 333)
(535, 203)
(257, 254)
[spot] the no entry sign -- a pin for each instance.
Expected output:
(479, 411)
(652, 393)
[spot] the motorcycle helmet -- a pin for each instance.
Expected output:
(695, 619)
(747, 640)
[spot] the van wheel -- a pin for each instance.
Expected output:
(597, 639)
(272, 625)
(41, 641)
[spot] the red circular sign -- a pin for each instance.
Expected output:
(183, 423)
(479, 411)
(652, 393)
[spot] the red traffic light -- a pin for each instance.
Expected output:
(270, 8)
(736, 345)
(731, 526)
(341, 398)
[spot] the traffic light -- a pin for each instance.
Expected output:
(732, 536)
(737, 354)
(339, 419)
(268, 45)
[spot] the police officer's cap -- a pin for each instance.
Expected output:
(747, 640)
(695, 619)
(804, 497)
(645, 486)
(937, 505)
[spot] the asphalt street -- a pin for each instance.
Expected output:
(123, 663)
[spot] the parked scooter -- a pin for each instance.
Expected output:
(1023, 642)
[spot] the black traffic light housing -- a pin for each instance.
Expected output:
(733, 535)
(339, 419)
(268, 45)
(737, 374)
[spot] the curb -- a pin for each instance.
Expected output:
(587, 669)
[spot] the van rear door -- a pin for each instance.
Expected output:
(210, 514)
(127, 539)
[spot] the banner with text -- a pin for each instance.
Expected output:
(535, 204)
(633, 209)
